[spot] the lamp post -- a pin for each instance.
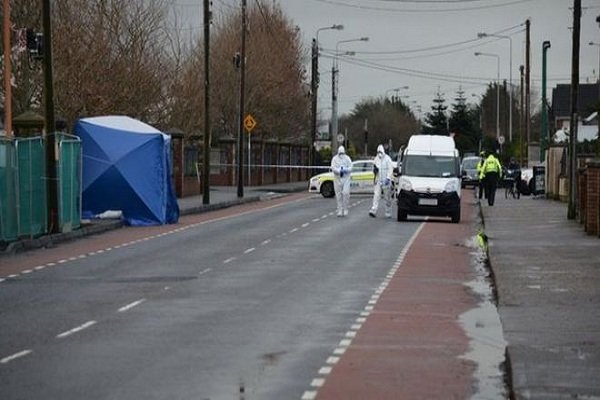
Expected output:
(510, 123)
(334, 89)
(314, 86)
(544, 134)
(497, 93)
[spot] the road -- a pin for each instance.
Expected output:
(244, 303)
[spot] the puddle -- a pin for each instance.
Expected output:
(482, 325)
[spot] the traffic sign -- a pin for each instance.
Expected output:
(501, 139)
(249, 123)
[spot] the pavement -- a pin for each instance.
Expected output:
(547, 275)
(546, 272)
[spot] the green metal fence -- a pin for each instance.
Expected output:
(23, 186)
(31, 175)
(8, 192)
(69, 182)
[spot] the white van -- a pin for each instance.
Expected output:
(430, 179)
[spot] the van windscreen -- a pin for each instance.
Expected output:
(430, 166)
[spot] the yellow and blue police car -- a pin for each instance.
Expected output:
(362, 180)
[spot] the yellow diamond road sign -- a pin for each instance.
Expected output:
(249, 123)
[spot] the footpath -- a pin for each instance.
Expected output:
(547, 274)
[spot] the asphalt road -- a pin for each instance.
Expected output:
(243, 304)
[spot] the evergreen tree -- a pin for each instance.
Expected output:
(462, 124)
(436, 122)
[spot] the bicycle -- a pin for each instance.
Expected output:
(509, 188)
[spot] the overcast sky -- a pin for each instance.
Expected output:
(430, 44)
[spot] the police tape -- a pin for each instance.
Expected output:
(272, 166)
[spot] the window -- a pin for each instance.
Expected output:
(430, 166)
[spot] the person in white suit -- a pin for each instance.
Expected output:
(341, 166)
(384, 173)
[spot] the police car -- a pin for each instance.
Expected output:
(361, 180)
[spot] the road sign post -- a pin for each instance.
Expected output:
(249, 125)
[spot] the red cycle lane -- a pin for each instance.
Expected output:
(410, 345)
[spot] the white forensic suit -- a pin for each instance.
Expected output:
(341, 166)
(384, 173)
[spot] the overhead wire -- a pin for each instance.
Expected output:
(428, 10)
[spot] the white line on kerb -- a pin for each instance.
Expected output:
(20, 354)
(75, 330)
(131, 305)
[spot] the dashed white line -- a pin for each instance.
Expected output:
(309, 395)
(304, 225)
(75, 330)
(293, 230)
(265, 242)
(2, 279)
(325, 370)
(50, 264)
(250, 250)
(20, 354)
(339, 351)
(62, 261)
(206, 271)
(131, 305)
(318, 382)
(230, 259)
(316, 220)
(12, 276)
(27, 271)
(332, 360)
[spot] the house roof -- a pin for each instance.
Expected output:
(589, 95)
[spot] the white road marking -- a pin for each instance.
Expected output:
(339, 351)
(75, 330)
(351, 334)
(304, 225)
(345, 342)
(250, 250)
(294, 230)
(206, 271)
(72, 258)
(62, 261)
(333, 360)
(131, 305)
(27, 271)
(13, 276)
(361, 320)
(2, 279)
(309, 395)
(356, 327)
(325, 370)
(50, 264)
(229, 260)
(264, 242)
(318, 382)
(20, 354)
(316, 220)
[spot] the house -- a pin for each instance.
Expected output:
(588, 102)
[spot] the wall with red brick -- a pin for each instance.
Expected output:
(592, 201)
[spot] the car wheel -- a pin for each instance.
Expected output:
(456, 216)
(327, 189)
(402, 215)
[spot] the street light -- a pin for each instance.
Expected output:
(394, 90)
(334, 89)
(510, 123)
(315, 87)
(497, 93)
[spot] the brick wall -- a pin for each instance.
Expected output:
(592, 201)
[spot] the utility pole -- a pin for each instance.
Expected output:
(334, 119)
(522, 117)
(544, 134)
(527, 86)
(240, 144)
(572, 208)
(207, 135)
(7, 69)
(51, 146)
(314, 87)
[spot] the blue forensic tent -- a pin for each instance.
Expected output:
(127, 167)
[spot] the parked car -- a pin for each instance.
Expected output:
(361, 180)
(469, 174)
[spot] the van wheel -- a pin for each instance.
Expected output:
(327, 189)
(402, 215)
(456, 216)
